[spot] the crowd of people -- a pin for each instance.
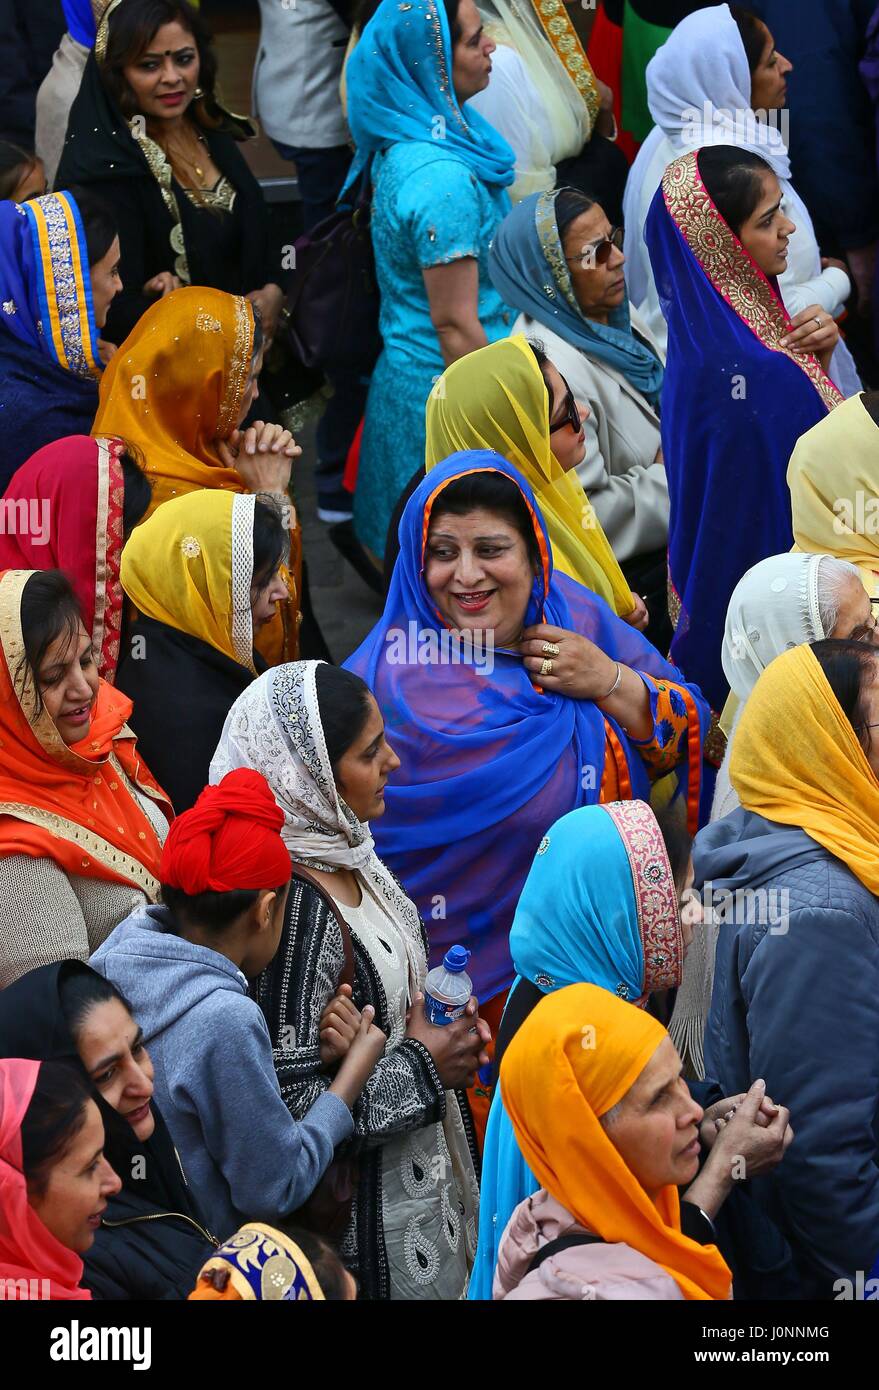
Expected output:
(607, 468)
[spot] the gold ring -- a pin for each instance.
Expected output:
(550, 649)
(546, 667)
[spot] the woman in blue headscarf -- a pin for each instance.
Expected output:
(58, 276)
(742, 383)
(599, 906)
(439, 175)
(557, 260)
(511, 695)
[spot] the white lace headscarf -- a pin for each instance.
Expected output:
(275, 727)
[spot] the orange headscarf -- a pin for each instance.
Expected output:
(576, 1055)
(797, 760)
(173, 389)
(70, 803)
(176, 385)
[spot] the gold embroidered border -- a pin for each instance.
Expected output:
(445, 86)
(557, 25)
(100, 849)
(101, 543)
(732, 271)
(239, 368)
(553, 250)
(160, 168)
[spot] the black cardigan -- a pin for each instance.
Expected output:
(227, 251)
(182, 689)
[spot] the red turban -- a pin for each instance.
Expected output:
(230, 839)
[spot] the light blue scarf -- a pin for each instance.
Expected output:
(599, 907)
(528, 269)
(399, 82)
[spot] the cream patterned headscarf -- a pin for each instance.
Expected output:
(275, 727)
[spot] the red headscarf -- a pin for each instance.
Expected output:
(63, 510)
(68, 802)
(27, 1249)
(230, 839)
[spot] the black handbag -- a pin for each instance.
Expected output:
(333, 303)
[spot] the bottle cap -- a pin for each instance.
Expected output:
(456, 959)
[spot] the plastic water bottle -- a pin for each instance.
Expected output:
(448, 988)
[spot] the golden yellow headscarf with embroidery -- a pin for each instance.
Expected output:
(174, 388)
(575, 1056)
(796, 760)
(832, 479)
(496, 398)
(191, 566)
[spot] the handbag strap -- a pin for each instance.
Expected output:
(554, 1247)
(347, 975)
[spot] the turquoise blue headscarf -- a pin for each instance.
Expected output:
(399, 81)
(600, 907)
(528, 269)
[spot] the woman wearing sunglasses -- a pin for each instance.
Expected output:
(557, 260)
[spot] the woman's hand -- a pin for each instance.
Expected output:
(162, 284)
(579, 668)
(106, 351)
(639, 617)
(605, 122)
(747, 1144)
(262, 454)
(366, 1048)
(458, 1048)
(269, 301)
(582, 671)
(813, 330)
(339, 1024)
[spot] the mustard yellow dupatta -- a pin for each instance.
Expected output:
(796, 760)
(496, 398)
(832, 478)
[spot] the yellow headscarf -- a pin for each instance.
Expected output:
(190, 565)
(796, 760)
(574, 1057)
(832, 480)
(496, 398)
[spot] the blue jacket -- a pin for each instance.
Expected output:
(245, 1156)
(796, 1001)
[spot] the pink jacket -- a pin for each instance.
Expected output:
(582, 1272)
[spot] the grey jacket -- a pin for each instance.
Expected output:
(796, 1001)
(245, 1156)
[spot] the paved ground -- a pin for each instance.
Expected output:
(346, 609)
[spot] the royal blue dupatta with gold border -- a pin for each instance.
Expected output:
(49, 363)
(734, 404)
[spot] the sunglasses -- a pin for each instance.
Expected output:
(598, 252)
(571, 416)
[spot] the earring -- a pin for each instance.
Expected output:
(198, 94)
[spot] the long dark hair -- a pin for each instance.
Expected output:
(131, 29)
(343, 705)
(52, 1121)
(15, 165)
(752, 32)
(734, 179)
(98, 220)
(49, 610)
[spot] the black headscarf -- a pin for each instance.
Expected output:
(33, 1024)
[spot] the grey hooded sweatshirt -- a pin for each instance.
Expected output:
(246, 1158)
(796, 1001)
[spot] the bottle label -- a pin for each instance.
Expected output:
(442, 1011)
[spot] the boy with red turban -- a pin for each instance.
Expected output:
(184, 967)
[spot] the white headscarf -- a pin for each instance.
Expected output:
(773, 607)
(699, 93)
(275, 727)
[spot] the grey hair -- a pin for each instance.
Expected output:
(832, 577)
(610, 1117)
